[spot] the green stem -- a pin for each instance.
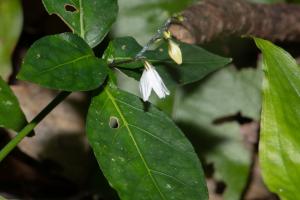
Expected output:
(29, 127)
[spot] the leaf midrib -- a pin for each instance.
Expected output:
(65, 63)
(126, 124)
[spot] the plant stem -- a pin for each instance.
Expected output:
(29, 127)
(157, 36)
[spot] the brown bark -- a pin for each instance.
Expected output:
(211, 19)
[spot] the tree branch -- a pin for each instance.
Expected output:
(211, 19)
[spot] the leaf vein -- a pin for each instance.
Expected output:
(170, 176)
(113, 100)
(141, 110)
(66, 63)
(154, 136)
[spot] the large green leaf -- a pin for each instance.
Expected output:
(221, 96)
(11, 19)
(279, 149)
(91, 19)
(197, 62)
(141, 151)
(63, 62)
(11, 115)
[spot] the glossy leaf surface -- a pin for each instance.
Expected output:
(11, 116)
(63, 62)
(11, 19)
(280, 140)
(141, 151)
(91, 19)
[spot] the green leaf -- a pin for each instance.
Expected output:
(63, 62)
(11, 19)
(141, 151)
(279, 140)
(221, 96)
(197, 62)
(11, 115)
(121, 50)
(91, 19)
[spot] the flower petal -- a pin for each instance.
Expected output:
(151, 80)
(158, 85)
(145, 85)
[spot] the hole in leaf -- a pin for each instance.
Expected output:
(220, 187)
(70, 8)
(114, 122)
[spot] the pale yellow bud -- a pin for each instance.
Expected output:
(175, 52)
(167, 35)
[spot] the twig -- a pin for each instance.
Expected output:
(157, 36)
(212, 19)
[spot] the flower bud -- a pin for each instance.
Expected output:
(175, 52)
(167, 35)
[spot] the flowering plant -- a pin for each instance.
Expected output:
(140, 149)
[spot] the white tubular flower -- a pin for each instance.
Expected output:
(175, 52)
(151, 80)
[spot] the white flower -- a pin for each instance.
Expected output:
(151, 80)
(175, 52)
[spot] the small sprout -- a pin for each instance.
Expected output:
(180, 18)
(167, 35)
